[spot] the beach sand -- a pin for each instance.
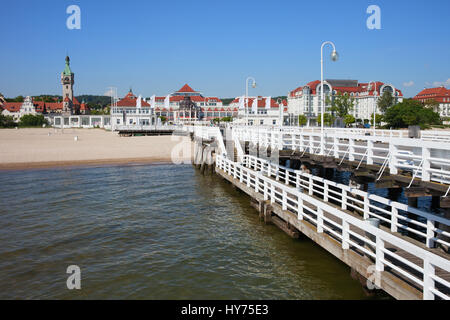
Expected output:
(48, 147)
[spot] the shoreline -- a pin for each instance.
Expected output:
(46, 148)
(87, 163)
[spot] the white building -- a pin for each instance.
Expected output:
(18, 109)
(209, 108)
(132, 111)
(305, 100)
(259, 111)
(441, 95)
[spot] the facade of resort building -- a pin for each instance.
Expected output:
(131, 111)
(306, 100)
(259, 111)
(194, 106)
(441, 95)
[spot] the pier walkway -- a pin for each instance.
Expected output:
(402, 256)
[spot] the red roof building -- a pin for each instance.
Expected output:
(306, 100)
(441, 95)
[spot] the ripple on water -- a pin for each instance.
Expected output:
(151, 232)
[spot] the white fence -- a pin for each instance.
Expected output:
(428, 160)
(351, 232)
(397, 216)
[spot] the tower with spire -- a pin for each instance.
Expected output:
(67, 81)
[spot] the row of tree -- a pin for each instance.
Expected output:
(27, 120)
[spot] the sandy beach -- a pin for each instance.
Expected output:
(47, 147)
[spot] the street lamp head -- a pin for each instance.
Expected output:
(334, 56)
(254, 84)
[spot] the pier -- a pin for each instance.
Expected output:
(391, 246)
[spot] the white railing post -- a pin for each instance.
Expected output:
(266, 194)
(428, 282)
(336, 147)
(325, 191)
(370, 145)
(300, 208)
(345, 235)
(311, 185)
(286, 176)
(366, 207)
(426, 154)
(394, 219)
(319, 220)
(430, 234)
(284, 200)
(272, 194)
(379, 265)
(344, 199)
(351, 151)
(392, 161)
(297, 180)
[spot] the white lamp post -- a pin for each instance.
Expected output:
(334, 57)
(281, 111)
(246, 96)
(375, 103)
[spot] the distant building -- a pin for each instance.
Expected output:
(131, 111)
(259, 111)
(19, 109)
(69, 105)
(209, 107)
(306, 100)
(441, 95)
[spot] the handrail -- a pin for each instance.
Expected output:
(344, 230)
(370, 205)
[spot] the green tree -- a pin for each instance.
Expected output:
(385, 101)
(378, 119)
(328, 119)
(302, 120)
(30, 120)
(410, 112)
(349, 119)
(342, 104)
(7, 121)
(163, 119)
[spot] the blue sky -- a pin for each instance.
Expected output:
(156, 47)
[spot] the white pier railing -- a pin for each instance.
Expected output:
(395, 215)
(420, 267)
(425, 159)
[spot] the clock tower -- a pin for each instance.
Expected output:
(67, 81)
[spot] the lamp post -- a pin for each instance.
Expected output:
(375, 103)
(334, 57)
(246, 96)
(281, 111)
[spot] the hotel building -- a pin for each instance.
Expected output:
(306, 100)
(441, 95)
(207, 108)
(259, 111)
